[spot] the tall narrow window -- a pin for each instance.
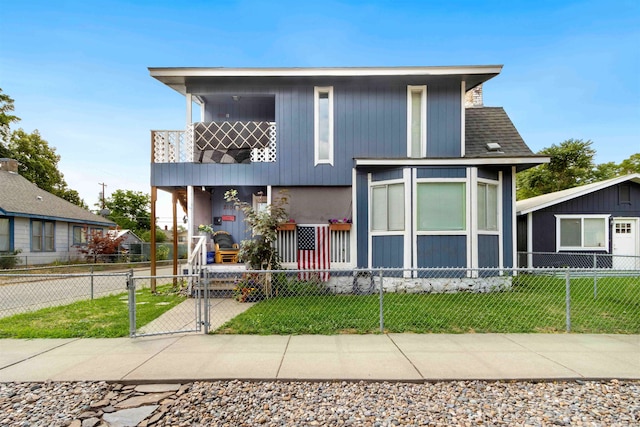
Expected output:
(387, 207)
(487, 207)
(416, 121)
(323, 125)
(5, 236)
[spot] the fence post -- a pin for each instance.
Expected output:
(381, 298)
(92, 282)
(568, 300)
(205, 301)
(131, 287)
(595, 276)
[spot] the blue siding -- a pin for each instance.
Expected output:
(362, 219)
(488, 173)
(387, 175)
(370, 121)
(488, 251)
(387, 251)
(441, 172)
(442, 251)
(443, 119)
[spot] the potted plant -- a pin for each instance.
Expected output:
(205, 229)
(339, 224)
(287, 226)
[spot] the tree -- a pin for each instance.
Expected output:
(571, 165)
(260, 252)
(6, 106)
(101, 244)
(131, 210)
(630, 165)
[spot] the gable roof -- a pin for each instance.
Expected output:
(545, 200)
(22, 198)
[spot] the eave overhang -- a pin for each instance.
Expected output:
(521, 163)
(176, 77)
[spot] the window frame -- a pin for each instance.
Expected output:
(582, 247)
(422, 89)
(9, 234)
(43, 238)
(83, 232)
(317, 90)
(386, 184)
(498, 206)
(450, 232)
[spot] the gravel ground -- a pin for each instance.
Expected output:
(241, 403)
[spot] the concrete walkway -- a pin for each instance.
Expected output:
(391, 357)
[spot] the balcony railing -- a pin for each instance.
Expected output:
(339, 247)
(216, 142)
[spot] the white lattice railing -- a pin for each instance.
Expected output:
(216, 142)
(339, 246)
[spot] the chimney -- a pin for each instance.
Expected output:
(473, 97)
(8, 165)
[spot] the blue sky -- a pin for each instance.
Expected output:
(77, 70)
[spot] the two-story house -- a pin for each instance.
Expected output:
(426, 181)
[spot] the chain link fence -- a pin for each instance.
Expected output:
(578, 260)
(224, 300)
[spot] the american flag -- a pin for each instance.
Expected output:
(313, 251)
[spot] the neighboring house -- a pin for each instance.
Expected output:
(129, 237)
(44, 227)
(426, 181)
(601, 218)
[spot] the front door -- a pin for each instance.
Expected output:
(625, 244)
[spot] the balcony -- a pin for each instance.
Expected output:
(216, 142)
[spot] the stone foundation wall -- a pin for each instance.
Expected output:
(368, 285)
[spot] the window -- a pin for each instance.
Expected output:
(387, 207)
(441, 206)
(259, 202)
(42, 236)
(487, 207)
(323, 125)
(5, 235)
(79, 236)
(416, 118)
(587, 232)
(624, 194)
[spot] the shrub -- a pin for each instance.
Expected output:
(9, 259)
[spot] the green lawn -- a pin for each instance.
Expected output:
(534, 304)
(106, 317)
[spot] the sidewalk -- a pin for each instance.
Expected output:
(392, 357)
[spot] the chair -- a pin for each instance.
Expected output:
(226, 250)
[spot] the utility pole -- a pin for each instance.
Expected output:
(102, 193)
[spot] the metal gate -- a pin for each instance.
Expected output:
(185, 293)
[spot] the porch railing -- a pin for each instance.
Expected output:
(216, 142)
(339, 246)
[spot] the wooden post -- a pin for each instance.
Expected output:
(174, 200)
(154, 197)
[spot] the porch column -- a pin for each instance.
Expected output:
(174, 200)
(190, 218)
(154, 197)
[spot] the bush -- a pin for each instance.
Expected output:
(9, 259)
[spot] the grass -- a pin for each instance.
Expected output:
(106, 317)
(533, 304)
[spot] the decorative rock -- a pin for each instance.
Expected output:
(157, 388)
(128, 417)
(145, 399)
